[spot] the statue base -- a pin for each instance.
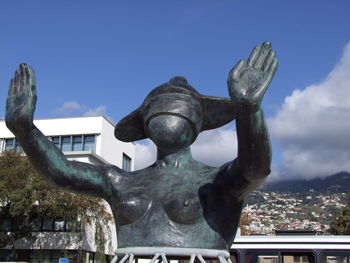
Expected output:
(166, 253)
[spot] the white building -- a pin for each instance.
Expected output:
(85, 139)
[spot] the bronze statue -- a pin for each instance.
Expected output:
(177, 201)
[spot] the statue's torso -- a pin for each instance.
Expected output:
(174, 207)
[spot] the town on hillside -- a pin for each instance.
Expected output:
(267, 211)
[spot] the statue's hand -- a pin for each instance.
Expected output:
(249, 79)
(21, 100)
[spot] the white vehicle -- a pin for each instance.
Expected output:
(291, 249)
(250, 249)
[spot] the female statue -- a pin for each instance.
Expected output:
(177, 201)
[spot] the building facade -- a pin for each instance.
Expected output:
(84, 139)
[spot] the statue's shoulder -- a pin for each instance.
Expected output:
(136, 175)
(204, 167)
(116, 174)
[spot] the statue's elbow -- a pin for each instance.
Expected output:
(262, 173)
(267, 171)
(258, 174)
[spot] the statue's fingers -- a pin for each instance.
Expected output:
(254, 55)
(11, 88)
(23, 74)
(273, 67)
(31, 74)
(33, 90)
(268, 60)
(264, 51)
(17, 80)
(236, 70)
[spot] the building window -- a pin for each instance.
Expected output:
(40, 224)
(126, 162)
(70, 226)
(12, 144)
(89, 142)
(74, 143)
(5, 224)
(57, 225)
(77, 143)
(48, 224)
(73, 226)
(48, 256)
(66, 145)
(56, 141)
(9, 144)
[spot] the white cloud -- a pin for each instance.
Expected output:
(313, 125)
(70, 107)
(145, 155)
(98, 111)
(214, 147)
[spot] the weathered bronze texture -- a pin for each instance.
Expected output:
(177, 201)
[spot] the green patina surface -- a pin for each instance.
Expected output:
(176, 202)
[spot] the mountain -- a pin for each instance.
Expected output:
(337, 183)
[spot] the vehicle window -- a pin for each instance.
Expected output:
(300, 257)
(262, 256)
(336, 257)
(234, 256)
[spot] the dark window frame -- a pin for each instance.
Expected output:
(126, 162)
(77, 142)
(14, 147)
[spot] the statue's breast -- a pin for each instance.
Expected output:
(132, 206)
(173, 195)
(183, 206)
(174, 208)
(180, 206)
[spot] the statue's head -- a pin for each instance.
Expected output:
(173, 114)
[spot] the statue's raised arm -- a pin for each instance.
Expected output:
(44, 155)
(247, 83)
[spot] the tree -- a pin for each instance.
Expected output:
(341, 224)
(26, 198)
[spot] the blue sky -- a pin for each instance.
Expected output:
(103, 57)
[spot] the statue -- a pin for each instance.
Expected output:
(177, 201)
